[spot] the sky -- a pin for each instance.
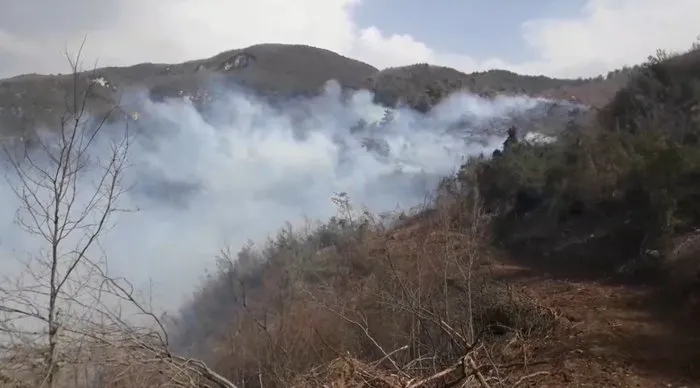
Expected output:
(565, 38)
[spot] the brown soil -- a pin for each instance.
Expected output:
(612, 335)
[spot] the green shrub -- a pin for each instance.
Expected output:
(636, 169)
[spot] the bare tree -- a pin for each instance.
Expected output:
(67, 196)
(69, 183)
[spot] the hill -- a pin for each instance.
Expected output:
(33, 99)
(421, 86)
(572, 263)
(272, 70)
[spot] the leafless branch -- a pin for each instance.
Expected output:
(69, 185)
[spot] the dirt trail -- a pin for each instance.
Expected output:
(612, 335)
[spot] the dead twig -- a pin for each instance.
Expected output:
(465, 364)
(527, 377)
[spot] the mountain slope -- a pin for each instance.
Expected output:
(575, 263)
(272, 70)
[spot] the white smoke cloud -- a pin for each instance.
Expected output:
(244, 168)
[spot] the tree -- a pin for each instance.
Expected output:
(66, 308)
(50, 178)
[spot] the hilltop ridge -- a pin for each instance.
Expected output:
(277, 71)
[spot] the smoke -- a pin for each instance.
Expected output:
(238, 168)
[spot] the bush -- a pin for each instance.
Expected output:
(634, 172)
(355, 288)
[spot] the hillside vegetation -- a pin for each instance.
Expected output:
(573, 263)
(422, 86)
(275, 71)
(567, 264)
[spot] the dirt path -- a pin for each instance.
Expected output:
(612, 336)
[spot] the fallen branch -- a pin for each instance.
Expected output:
(206, 372)
(436, 376)
(527, 377)
(476, 372)
(464, 364)
(405, 347)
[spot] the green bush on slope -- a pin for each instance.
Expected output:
(633, 174)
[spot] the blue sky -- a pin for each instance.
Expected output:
(481, 28)
(565, 38)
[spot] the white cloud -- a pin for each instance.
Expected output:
(609, 34)
(604, 35)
